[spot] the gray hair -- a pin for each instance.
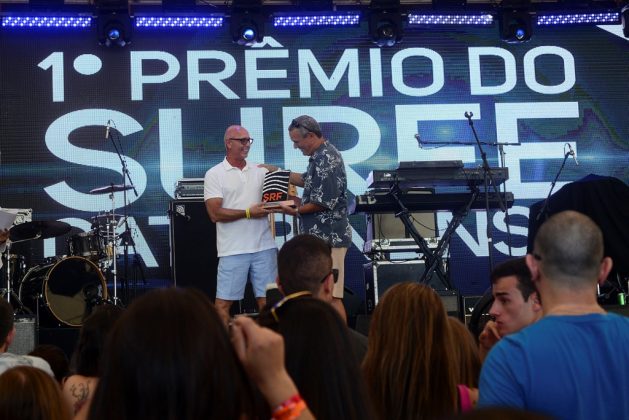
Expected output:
(305, 124)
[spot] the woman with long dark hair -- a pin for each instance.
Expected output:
(410, 370)
(170, 357)
(319, 357)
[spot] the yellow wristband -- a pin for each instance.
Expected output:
(248, 213)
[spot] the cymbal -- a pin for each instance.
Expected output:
(110, 189)
(38, 230)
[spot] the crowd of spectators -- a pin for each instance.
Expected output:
(550, 352)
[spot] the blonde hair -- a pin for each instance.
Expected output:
(30, 393)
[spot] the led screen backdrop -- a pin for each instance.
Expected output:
(172, 92)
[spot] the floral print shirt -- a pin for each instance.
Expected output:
(325, 184)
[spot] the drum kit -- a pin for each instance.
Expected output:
(62, 291)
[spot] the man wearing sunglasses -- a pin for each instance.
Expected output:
(246, 247)
(323, 209)
(304, 268)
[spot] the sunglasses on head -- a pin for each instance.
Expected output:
(297, 124)
(287, 298)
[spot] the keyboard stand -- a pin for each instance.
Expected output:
(434, 259)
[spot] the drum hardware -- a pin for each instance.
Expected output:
(107, 219)
(17, 266)
(52, 260)
(112, 223)
(109, 233)
(8, 292)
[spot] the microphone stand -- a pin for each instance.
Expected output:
(501, 150)
(127, 233)
(502, 165)
(487, 176)
(552, 187)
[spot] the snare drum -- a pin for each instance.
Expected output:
(64, 292)
(87, 244)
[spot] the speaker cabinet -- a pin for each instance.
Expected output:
(193, 254)
(381, 275)
(387, 226)
(25, 336)
(469, 302)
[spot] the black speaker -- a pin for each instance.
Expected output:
(480, 314)
(469, 303)
(24, 340)
(381, 275)
(193, 255)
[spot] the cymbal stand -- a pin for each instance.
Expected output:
(9, 293)
(125, 175)
(111, 237)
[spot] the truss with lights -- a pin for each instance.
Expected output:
(387, 18)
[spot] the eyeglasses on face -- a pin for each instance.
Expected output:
(278, 305)
(243, 140)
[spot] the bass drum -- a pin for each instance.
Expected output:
(64, 292)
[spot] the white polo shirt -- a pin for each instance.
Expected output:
(239, 189)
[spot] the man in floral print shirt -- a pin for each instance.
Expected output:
(323, 209)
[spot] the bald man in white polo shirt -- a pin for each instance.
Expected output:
(246, 247)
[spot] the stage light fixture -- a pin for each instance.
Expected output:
(516, 26)
(385, 23)
(46, 22)
(319, 19)
(589, 18)
(178, 21)
(246, 22)
(114, 29)
(442, 19)
(114, 24)
(246, 30)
